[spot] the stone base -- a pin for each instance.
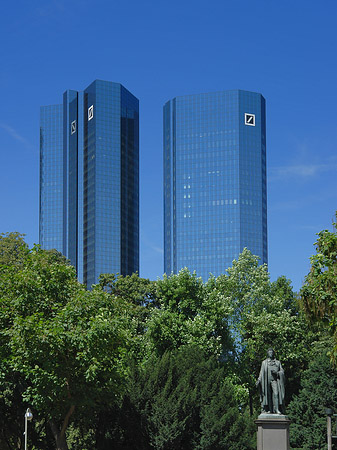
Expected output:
(272, 432)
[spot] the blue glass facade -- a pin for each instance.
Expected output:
(51, 177)
(99, 156)
(215, 198)
(70, 175)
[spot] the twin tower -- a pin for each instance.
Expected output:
(215, 199)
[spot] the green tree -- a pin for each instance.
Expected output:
(132, 288)
(307, 409)
(140, 296)
(13, 253)
(186, 402)
(280, 325)
(245, 286)
(13, 249)
(188, 313)
(68, 344)
(264, 315)
(319, 291)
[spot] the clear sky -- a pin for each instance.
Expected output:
(161, 49)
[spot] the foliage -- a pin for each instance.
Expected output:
(185, 401)
(264, 315)
(13, 252)
(13, 249)
(246, 286)
(281, 326)
(143, 364)
(179, 400)
(188, 313)
(307, 409)
(67, 344)
(132, 288)
(319, 292)
(139, 294)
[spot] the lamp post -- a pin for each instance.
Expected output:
(329, 413)
(28, 416)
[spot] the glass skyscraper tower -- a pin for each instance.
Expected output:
(89, 180)
(215, 197)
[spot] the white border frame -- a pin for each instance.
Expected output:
(90, 112)
(73, 127)
(250, 115)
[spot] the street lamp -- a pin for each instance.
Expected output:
(28, 416)
(329, 413)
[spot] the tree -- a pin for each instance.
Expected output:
(68, 344)
(264, 315)
(132, 288)
(188, 313)
(319, 291)
(140, 295)
(164, 364)
(185, 401)
(13, 249)
(307, 409)
(13, 253)
(277, 327)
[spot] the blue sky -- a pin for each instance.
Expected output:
(161, 49)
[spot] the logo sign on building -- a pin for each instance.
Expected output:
(91, 112)
(250, 119)
(73, 127)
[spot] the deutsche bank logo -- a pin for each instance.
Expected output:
(91, 112)
(250, 119)
(73, 127)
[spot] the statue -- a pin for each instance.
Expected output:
(271, 383)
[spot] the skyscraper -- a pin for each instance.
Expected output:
(89, 180)
(215, 197)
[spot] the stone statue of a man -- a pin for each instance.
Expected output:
(271, 384)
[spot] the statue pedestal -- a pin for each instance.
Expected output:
(272, 432)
